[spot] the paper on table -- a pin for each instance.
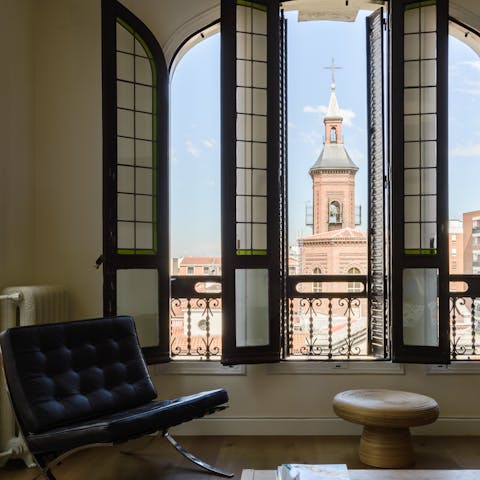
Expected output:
(294, 471)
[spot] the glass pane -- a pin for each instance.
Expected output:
(412, 21)
(412, 209)
(428, 45)
(428, 19)
(411, 154)
(126, 235)
(244, 209)
(411, 45)
(125, 150)
(244, 46)
(125, 123)
(429, 235)
(259, 236)
(144, 208)
(411, 74)
(259, 24)
(429, 127)
(143, 98)
(244, 73)
(126, 207)
(124, 39)
(259, 182)
(259, 101)
(411, 100)
(259, 210)
(420, 306)
(125, 67)
(244, 100)
(244, 127)
(139, 50)
(143, 71)
(412, 182)
(429, 72)
(429, 154)
(429, 100)
(244, 155)
(244, 182)
(259, 129)
(429, 208)
(125, 95)
(125, 179)
(259, 151)
(143, 126)
(251, 307)
(412, 235)
(259, 74)
(429, 181)
(411, 127)
(137, 295)
(144, 236)
(143, 153)
(143, 180)
(244, 236)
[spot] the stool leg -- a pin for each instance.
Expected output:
(386, 447)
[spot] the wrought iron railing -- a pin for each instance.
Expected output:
(327, 317)
(465, 317)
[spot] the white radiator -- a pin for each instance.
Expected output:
(21, 306)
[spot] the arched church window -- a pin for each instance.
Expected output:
(354, 286)
(333, 135)
(334, 212)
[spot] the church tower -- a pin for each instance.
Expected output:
(333, 175)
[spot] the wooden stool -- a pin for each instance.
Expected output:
(386, 416)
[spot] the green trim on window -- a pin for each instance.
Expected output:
(421, 251)
(251, 252)
(425, 3)
(247, 3)
(132, 251)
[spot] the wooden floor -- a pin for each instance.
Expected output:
(159, 460)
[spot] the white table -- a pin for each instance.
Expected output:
(375, 474)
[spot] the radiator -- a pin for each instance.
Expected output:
(20, 306)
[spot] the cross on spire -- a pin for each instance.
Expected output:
(332, 68)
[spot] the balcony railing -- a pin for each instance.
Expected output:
(327, 317)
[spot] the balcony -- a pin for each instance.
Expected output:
(476, 230)
(326, 318)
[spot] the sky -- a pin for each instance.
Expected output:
(195, 127)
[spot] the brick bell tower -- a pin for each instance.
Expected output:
(333, 175)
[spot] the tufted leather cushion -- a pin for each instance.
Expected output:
(61, 374)
(158, 415)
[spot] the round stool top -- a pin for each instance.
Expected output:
(385, 408)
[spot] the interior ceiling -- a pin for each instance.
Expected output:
(338, 10)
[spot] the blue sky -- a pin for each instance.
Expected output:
(195, 127)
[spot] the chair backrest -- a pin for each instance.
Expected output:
(62, 373)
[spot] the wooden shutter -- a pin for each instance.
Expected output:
(378, 324)
(250, 163)
(419, 156)
(135, 178)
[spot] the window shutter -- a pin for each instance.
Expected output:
(376, 160)
(419, 96)
(251, 220)
(135, 178)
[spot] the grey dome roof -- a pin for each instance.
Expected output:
(334, 155)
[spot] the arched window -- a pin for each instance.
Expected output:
(333, 135)
(334, 212)
(354, 286)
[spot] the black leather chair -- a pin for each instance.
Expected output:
(85, 382)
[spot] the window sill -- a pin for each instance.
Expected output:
(186, 367)
(455, 368)
(336, 368)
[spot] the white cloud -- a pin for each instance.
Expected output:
(192, 149)
(209, 143)
(475, 64)
(311, 137)
(466, 151)
(347, 114)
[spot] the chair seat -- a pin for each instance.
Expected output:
(158, 415)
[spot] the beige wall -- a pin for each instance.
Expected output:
(51, 221)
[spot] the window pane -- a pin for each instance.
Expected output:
(137, 295)
(252, 318)
(420, 306)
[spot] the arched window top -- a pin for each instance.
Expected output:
(333, 135)
(334, 212)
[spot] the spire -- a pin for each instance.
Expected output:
(333, 111)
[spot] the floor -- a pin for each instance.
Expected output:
(158, 460)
